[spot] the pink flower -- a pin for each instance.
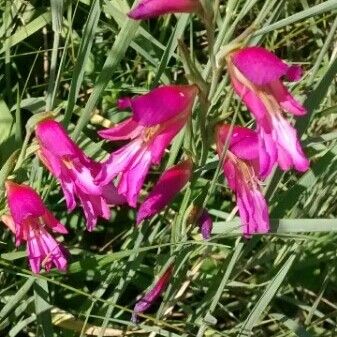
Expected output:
(151, 8)
(29, 221)
(157, 117)
(256, 75)
(75, 172)
(167, 187)
(150, 297)
(241, 167)
(205, 223)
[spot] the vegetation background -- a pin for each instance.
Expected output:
(76, 58)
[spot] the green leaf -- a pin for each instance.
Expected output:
(270, 292)
(116, 54)
(42, 308)
(293, 326)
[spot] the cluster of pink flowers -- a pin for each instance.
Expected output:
(249, 156)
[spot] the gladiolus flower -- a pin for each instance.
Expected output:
(151, 8)
(240, 168)
(167, 187)
(256, 75)
(29, 221)
(75, 172)
(157, 117)
(205, 223)
(150, 297)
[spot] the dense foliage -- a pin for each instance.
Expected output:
(72, 61)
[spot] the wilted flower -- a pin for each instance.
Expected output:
(256, 75)
(157, 117)
(240, 167)
(30, 221)
(167, 187)
(75, 172)
(150, 297)
(151, 8)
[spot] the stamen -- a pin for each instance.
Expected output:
(150, 133)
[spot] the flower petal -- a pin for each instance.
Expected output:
(163, 103)
(94, 207)
(118, 162)
(205, 224)
(53, 223)
(69, 190)
(151, 8)
(267, 152)
(289, 146)
(43, 249)
(133, 177)
(23, 202)
(47, 131)
(168, 185)
(294, 73)
(164, 138)
(251, 99)
(259, 65)
(243, 142)
(129, 129)
(111, 195)
(124, 103)
(82, 176)
(253, 209)
(286, 100)
(149, 298)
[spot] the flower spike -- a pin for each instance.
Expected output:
(256, 76)
(31, 221)
(75, 172)
(150, 130)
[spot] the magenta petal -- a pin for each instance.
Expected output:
(168, 185)
(111, 195)
(250, 98)
(124, 103)
(119, 161)
(259, 65)
(129, 129)
(286, 100)
(294, 73)
(151, 8)
(94, 207)
(163, 139)
(230, 174)
(163, 103)
(23, 202)
(243, 141)
(149, 298)
(253, 210)
(83, 179)
(51, 161)
(267, 152)
(43, 249)
(205, 224)
(290, 152)
(133, 178)
(48, 131)
(53, 223)
(68, 188)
